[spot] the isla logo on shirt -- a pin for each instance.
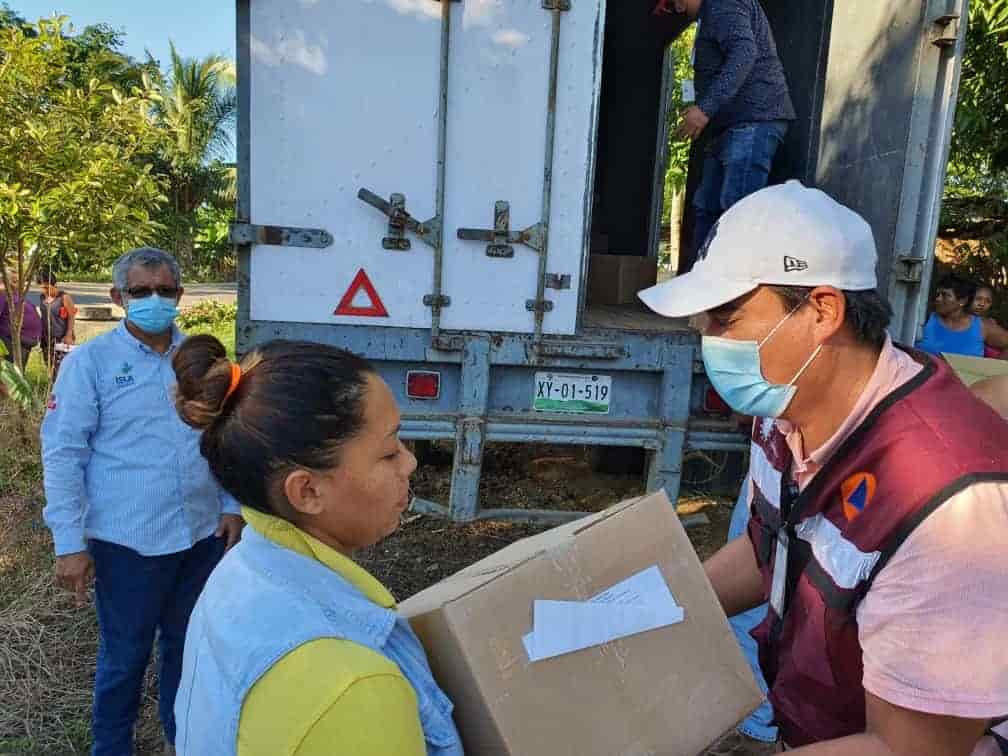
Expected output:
(125, 379)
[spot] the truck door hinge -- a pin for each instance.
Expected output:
(945, 30)
(501, 237)
(401, 221)
(909, 269)
(241, 234)
(437, 301)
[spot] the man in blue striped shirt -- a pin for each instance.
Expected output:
(129, 499)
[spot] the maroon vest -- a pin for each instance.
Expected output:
(924, 443)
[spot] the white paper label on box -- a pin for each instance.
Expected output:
(640, 603)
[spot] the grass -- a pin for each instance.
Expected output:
(47, 645)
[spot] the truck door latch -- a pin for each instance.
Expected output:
(501, 237)
(281, 236)
(401, 221)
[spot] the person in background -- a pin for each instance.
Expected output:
(129, 500)
(983, 300)
(742, 106)
(878, 491)
(953, 328)
(293, 648)
(58, 315)
(31, 324)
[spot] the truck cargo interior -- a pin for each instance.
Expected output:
(635, 116)
(631, 156)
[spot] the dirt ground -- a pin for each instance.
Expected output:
(427, 549)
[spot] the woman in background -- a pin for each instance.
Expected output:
(983, 301)
(953, 329)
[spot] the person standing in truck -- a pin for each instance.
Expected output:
(878, 491)
(742, 105)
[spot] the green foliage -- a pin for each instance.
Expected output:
(9, 17)
(207, 314)
(985, 262)
(195, 111)
(214, 254)
(72, 175)
(679, 149)
(978, 163)
(15, 385)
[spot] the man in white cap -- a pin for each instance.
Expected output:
(878, 490)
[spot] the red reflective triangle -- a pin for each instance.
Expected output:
(346, 306)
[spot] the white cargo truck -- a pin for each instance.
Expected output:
(424, 181)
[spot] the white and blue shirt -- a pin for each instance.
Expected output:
(119, 463)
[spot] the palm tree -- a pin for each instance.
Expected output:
(196, 110)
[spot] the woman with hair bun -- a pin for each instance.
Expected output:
(294, 648)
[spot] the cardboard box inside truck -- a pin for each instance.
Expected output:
(616, 279)
(671, 690)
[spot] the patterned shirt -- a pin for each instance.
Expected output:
(120, 465)
(739, 78)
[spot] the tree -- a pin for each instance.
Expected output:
(978, 162)
(9, 17)
(95, 53)
(196, 109)
(71, 170)
(678, 149)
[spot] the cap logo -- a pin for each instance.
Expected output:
(792, 264)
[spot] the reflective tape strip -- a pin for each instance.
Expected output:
(844, 562)
(765, 476)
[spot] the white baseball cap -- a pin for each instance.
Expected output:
(784, 235)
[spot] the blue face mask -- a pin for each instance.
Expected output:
(152, 314)
(734, 370)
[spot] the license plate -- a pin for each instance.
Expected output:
(569, 392)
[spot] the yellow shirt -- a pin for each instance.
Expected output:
(329, 696)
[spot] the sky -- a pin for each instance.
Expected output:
(197, 27)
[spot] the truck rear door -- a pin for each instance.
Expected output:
(349, 135)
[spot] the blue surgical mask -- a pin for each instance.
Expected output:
(734, 370)
(153, 314)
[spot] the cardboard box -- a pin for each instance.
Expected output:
(973, 369)
(616, 279)
(668, 691)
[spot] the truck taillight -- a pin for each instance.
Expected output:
(714, 404)
(423, 384)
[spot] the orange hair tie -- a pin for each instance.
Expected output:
(236, 374)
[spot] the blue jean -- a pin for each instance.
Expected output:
(737, 165)
(138, 597)
(759, 725)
